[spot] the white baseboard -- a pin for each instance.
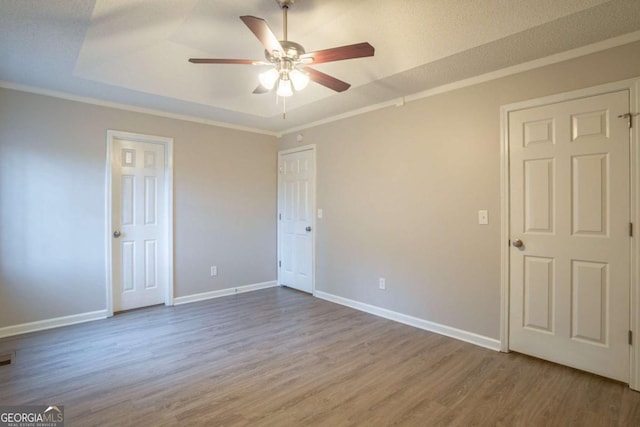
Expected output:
(56, 322)
(459, 334)
(448, 331)
(223, 292)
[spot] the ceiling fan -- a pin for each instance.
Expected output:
(289, 62)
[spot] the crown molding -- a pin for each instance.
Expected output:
(482, 78)
(126, 107)
(398, 102)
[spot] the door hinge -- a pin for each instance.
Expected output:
(280, 216)
(509, 242)
(630, 337)
(629, 117)
(631, 229)
(279, 263)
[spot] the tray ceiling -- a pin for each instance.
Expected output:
(135, 52)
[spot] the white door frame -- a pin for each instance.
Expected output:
(312, 148)
(167, 257)
(633, 85)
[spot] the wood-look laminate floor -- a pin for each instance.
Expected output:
(277, 357)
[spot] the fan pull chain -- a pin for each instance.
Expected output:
(284, 105)
(284, 108)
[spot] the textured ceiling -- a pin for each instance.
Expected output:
(135, 52)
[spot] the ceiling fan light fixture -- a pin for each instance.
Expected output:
(300, 79)
(269, 78)
(289, 61)
(285, 88)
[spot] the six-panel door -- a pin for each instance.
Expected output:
(296, 219)
(569, 196)
(139, 277)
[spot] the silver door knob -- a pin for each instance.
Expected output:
(308, 228)
(518, 243)
(116, 234)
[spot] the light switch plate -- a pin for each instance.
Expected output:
(483, 217)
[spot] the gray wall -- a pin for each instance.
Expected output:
(52, 180)
(401, 188)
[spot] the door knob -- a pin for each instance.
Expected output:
(518, 243)
(116, 234)
(308, 228)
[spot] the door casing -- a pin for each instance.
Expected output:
(633, 85)
(312, 148)
(167, 257)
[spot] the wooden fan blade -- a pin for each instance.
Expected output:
(221, 61)
(358, 50)
(259, 27)
(260, 90)
(327, 80)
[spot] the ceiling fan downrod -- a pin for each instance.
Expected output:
(284, 5)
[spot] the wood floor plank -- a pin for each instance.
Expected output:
(277, 357)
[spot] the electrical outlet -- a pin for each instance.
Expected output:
(382, 283)
(214, 270)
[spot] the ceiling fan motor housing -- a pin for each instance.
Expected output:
(292, 51)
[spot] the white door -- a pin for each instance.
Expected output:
(296, 193)
(569, 196)
(139, 221)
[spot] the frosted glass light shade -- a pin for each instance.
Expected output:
(269, 78)
(299, 79)
(284, 88)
